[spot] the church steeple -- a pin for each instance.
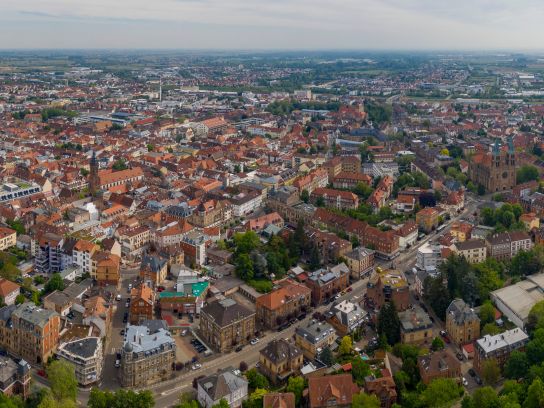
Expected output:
(94, 180)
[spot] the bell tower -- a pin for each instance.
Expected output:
(94, 180)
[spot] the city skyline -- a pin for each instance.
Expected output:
(289, 25)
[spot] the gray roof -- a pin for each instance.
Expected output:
(510, 339)
(315, 332)
(416, 319)
(226, 312)
(470, 244)
(33, 314)
(461, 312)
(84, 348)
(280, 350)
(140, 339)
(222, 384)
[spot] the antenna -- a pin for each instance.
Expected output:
(160, 89)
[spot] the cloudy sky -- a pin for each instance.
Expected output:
(273, 24)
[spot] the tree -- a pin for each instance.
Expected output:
(517, 365)
(491, 371)
(326, 356)
(223, 403)
(243, 366)
(120, 165)
(54, 283)
(485, 397)
(363, 400)
(244, 267)
(527, 173)
(296, 386)
(62, 378)
(359, 370)
(346, 346)
(535, 348)
(17, 225)
(535, 320)
(256, 379)
(20, 299)
(440, 392)
(389, 323)
(246, 242)
(150, 147)
(255, 399)
(535, 395)
(487, 313)
(305, 196)
(437, 344)
(315, 260)
(437, 295)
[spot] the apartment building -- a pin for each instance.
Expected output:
(225, 324)
(335, 198)
(474, 250)
(498, 347)
(142, 304)
(360, 262)
(86, 355)
(388, 285)
(147, 355)
(505, 245)
(440, 364)
(462, 323)
(8, 238)
(227, 384)
(105, 268)
(284, 303)
(327, 282)
(279, 360)
(314, 337)
(427, 219)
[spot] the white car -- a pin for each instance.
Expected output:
(465, 382)
(254, 341)
(127, 304)
(117, 363)
(118, 298)
(196, 366)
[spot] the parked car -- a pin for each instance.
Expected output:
(478, 380)
(117, 363)
(238, 349)
(301, 316)
(465, 382)
(196, 366)
(471, 372)
(254, 341)
(118, 298)
(459, 356)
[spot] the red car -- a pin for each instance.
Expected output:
(350, 289)
(42, 373)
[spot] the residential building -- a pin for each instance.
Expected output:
(171, 234)
(384, 388)
(279, 400)
(346, 317)
(335, 198)
(474, 250)
(530, 220)
(407, 234)
(147, 356)
(14, 377)
(210, 213)
(286, 302)
(134, 240)
(244, 204)
(360, 262)
(331, 391)
(105, 268)
(82, 252)
(498, 347)
(279, 360)
(194, 247)
(505, 245)
(462, 323)
(389, 285)
(384, 243)
(8, 238)
(461, 231)
(327, 282)
(86, 355)
(29, 332)
(415, 326)
(225, 324)
(142, 304)
(314, 337)
(153, 269)
(428, 257)
(48, 253)
(8, 291)
(260, 223)
(439, 364)
(329, 245)
(227, 384)
(350, 180)
(109, 178)
(427, 219)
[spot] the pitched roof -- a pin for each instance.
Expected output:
(340, 388)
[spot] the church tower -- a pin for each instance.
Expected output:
(94, 180)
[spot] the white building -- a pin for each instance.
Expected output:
(428, 257)
(86, 356)
(227, 384)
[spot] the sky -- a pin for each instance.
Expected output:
(273, 24)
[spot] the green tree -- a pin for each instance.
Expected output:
(255, 399)
(315, 260)
(20, 299)
(527, 173)
(389, 323)
(535, 348)
(517, 365)
(535, 395)
(363, 400)
(244, 267)
(54, 283)
(437, 344)
(62, 379)
(491, 371)
(246, 242)
(487, 313)
(296, 386)
(527, 262)
(17, 225)
(440, 392)
(359, 370)
(256, 379)
(305, 196)
(150, 147)
(346, 346)
(326, 357)
(535, 320)
(485, 397)
(223, 403)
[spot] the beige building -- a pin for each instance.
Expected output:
(86, 356)
(314, 337)
(360, 262)
(226, 324)
(147, 356)
(8, 238)
(462, 323)
(474, 250)
(415, 327)
(279, 360)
